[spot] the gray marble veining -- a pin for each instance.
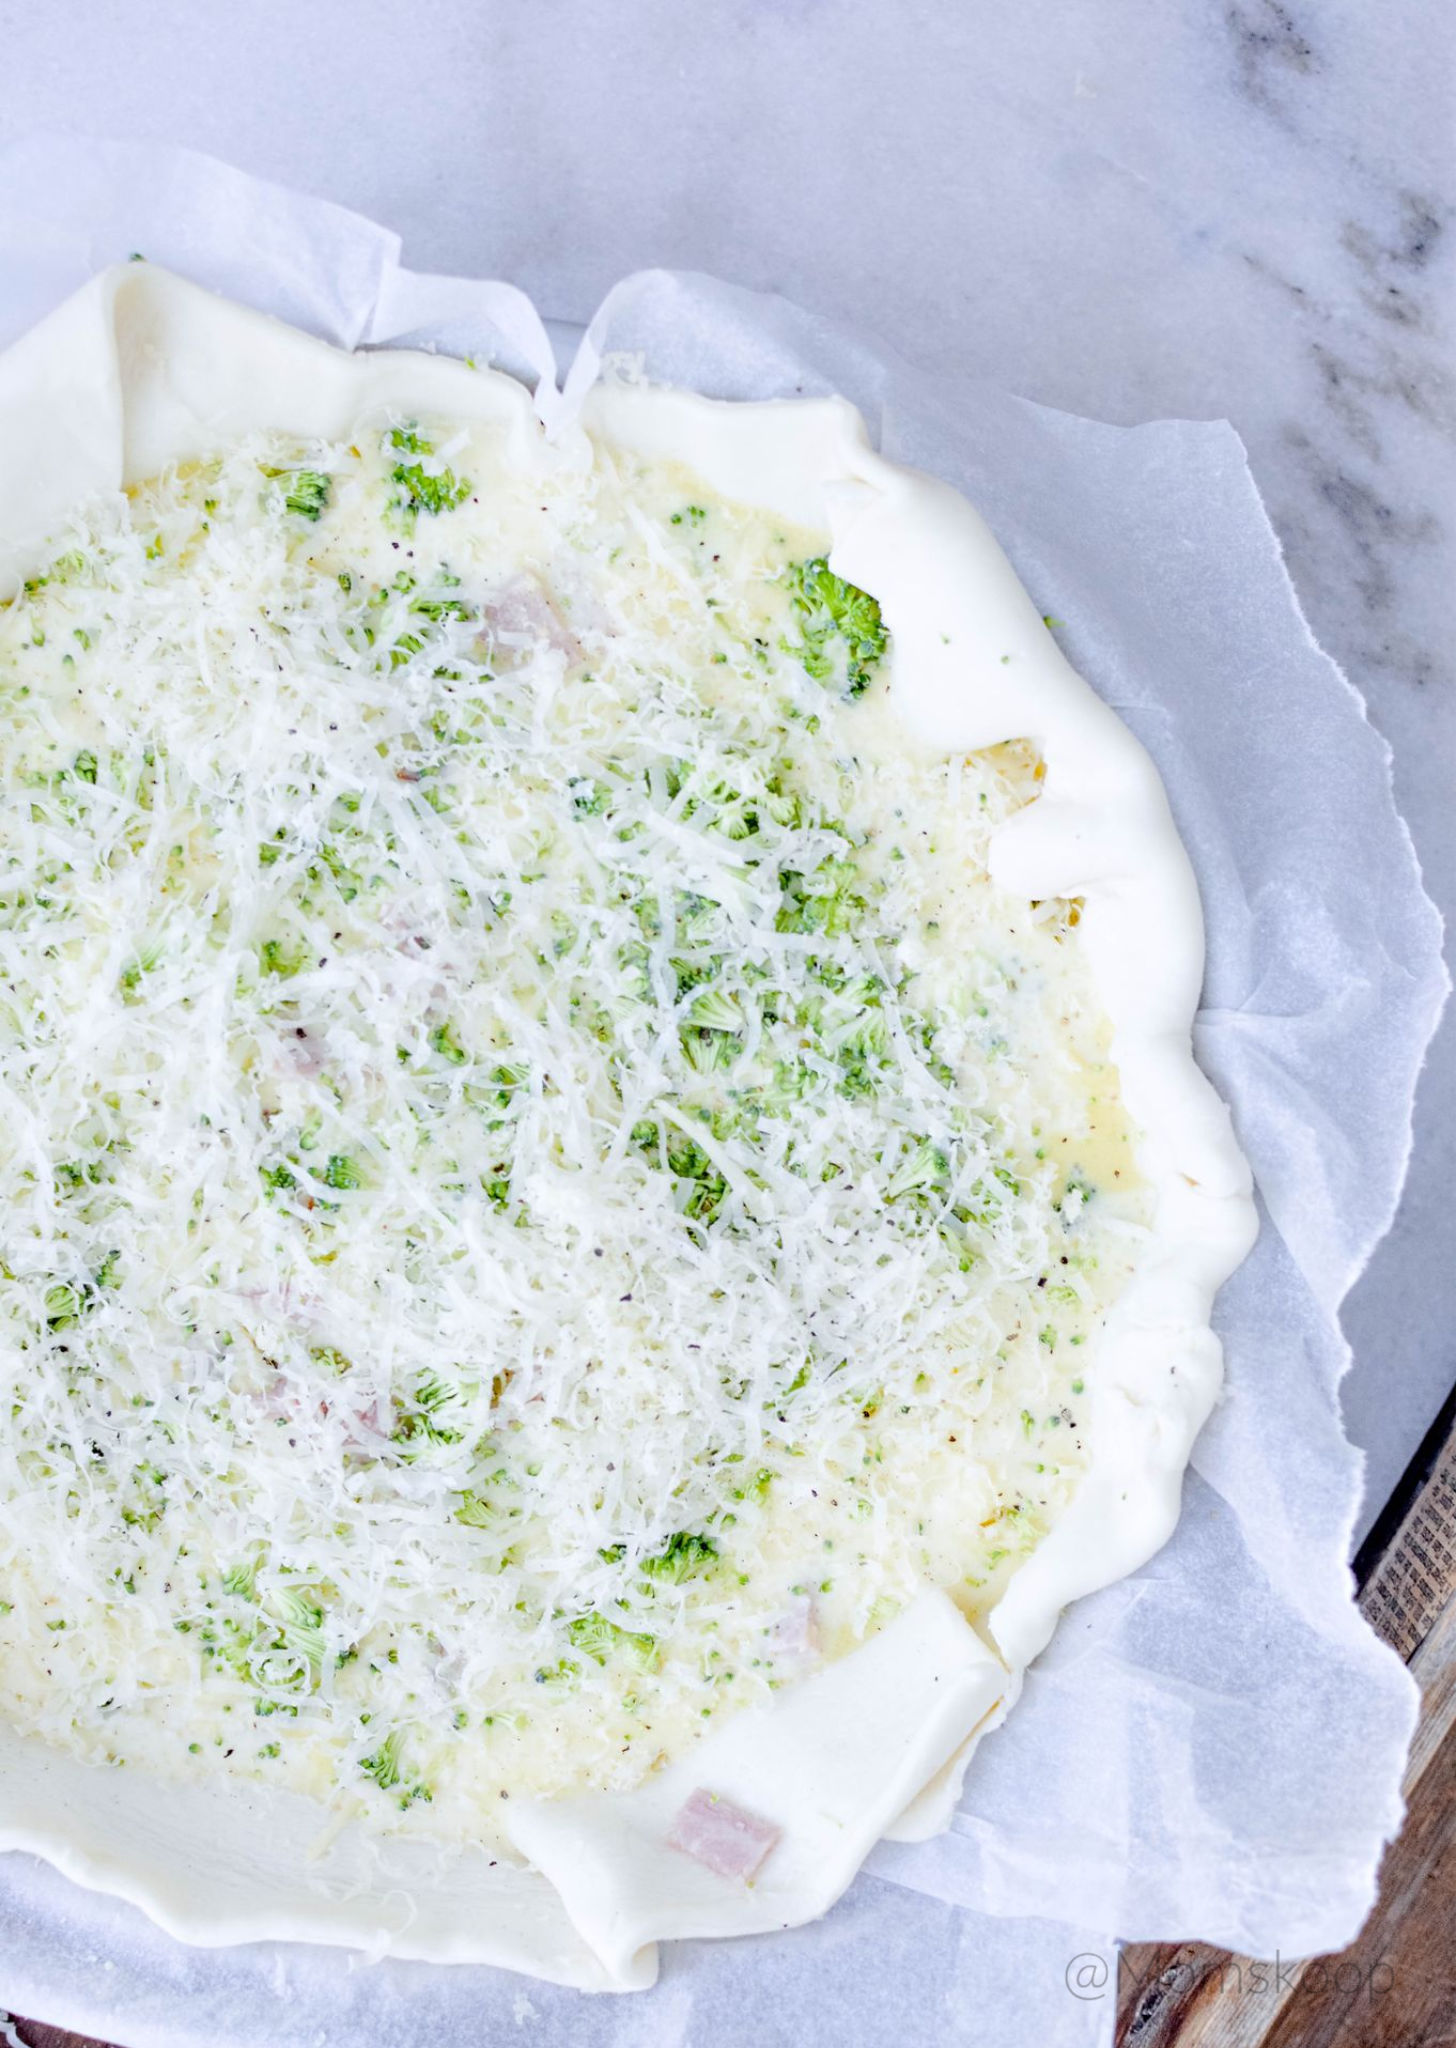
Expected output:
(1205, 207)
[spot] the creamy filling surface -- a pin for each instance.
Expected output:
(545, 1191)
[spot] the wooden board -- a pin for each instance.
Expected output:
(1394, 1987)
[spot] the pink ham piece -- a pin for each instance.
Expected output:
(522, 613)
(303, 1052)
(794, 1637)
(363, 1428)
(721, 1836)
(361, 1421)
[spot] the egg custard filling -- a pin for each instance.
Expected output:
(544, 1191)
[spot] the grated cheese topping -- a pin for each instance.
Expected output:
(545, 1192)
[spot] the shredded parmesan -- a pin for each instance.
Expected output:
(544, 1190)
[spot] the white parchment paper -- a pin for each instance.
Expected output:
(1212, 1748)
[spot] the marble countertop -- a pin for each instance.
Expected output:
(1238, 209)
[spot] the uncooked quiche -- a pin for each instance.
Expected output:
(606, 1205)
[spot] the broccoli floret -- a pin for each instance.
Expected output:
(300, 1626)
(825, 901)
(242, 1579)
(297, 1610)
(307, 494)
(277, 956)
(683, 1556)
(444, 1042)
(712, 1010)
(840, 628)
(64, 1306)
(925, 1167)
(705, 1189)
(588, 798)
(383, 1766)
(438, 608)
(599, 1637)
(419, 1421)
(420, 489)
(708, 1052)
(139, 965)
(305, 491)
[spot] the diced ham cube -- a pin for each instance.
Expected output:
(302, 1052)
(794, 1637)
(523, 613)
(723, 1837)
(363, 1429)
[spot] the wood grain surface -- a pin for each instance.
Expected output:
(1395, 1987)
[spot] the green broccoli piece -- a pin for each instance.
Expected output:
(705, 1189)
(712, 1010)
(444, 1042)
(683, 1556)
(307, 494)
(242, 1579)
(419, 489)
(560, 1674)
(64, 1306)
(588, 798)
(305, 491)
(277, 956)
(300, 1624)
(925, 1167)
(139, 965)
(599, 1637)
(438, 608)
(825, 901)
(383, 1766)
(841, 632)
(1077, 1192)
(418, 1424)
